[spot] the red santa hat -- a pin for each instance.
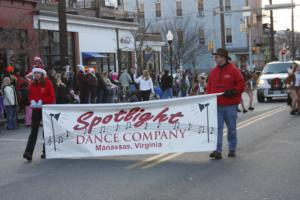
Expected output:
(39, 70)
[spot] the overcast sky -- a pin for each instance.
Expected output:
(282, 18)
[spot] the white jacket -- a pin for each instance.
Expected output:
(145, 84)
(9, 96)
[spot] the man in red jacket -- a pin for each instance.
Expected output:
(226, 78)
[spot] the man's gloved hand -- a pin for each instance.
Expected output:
(39, 104)
(230, 93)
(33, 104)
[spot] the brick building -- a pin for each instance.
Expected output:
(18, 39)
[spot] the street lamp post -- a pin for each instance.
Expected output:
(170, 38)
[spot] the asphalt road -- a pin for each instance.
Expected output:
(266, 168)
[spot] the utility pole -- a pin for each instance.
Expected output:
(250, 45)
(137, 11)
(272, 49)
(222, 23)
(293, 34)
(63, 34)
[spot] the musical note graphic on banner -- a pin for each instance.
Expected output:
(201, 129)
(190, 126)
(128, 125)
(117, 128)
(60, 139)
(176, 126)
(158, 125)
(102, 129)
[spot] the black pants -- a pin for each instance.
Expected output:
(35, 124)
(145, 95)
(93, 94)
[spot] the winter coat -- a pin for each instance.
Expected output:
(166, 82)
(9, 96)
(223, 78)
(82, 82)
(91, 80)
(125, 79)
(38, 91)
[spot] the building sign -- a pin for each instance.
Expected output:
(126, 41)
(161, 126)
(112, 3)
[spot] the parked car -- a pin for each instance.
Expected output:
(271, 83)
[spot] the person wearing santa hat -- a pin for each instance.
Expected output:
(41, 92)
(38, 63)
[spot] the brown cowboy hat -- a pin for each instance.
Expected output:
(222, 52)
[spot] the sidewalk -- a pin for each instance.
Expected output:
(21, 119)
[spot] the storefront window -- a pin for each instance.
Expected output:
(112, 62)
(126, 60)
(50, 49)
(152, 61)
(105, 64)
(101, 61)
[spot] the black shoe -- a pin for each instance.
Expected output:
(216, 155)
(244, 111)
(251, 108)
(43, 156)
(293, 112)
(238, 110)
(231, 153)
(27, 156)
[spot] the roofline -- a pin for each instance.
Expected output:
(110, 23)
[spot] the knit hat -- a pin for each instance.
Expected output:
(39, 62)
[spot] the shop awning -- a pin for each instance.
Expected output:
(92, 55)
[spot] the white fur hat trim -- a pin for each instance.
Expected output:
(40, 70)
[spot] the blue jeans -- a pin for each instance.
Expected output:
(168, 93)
(227, 114)
(11, 117)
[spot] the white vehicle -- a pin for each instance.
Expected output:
(271, 83)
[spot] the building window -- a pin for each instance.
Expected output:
(228, 35)
(200, 8)
(125, 59)
(16, 37)
(227, 5)
(201, 36)
(180, 37)
(157, 9)
(178, 8)
(246, 3)
(50, 50)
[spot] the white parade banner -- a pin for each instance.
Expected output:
(163, 126)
